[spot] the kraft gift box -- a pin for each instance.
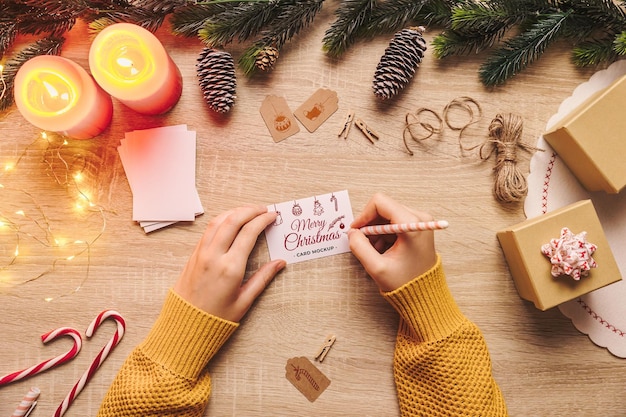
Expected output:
(591, 139)
(530, 268)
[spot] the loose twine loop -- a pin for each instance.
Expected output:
(414, 127)
(420, 130)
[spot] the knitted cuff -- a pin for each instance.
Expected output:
(185, 338)
(427, 306)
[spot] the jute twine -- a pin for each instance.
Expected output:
(505, 137)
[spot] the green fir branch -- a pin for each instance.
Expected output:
(247, 60)
(520, 51)
(343, 32)
(394, 15)
(619, 44)
(8, 33)
(187, 21)
(160, 7)
(291, 20)
(473, 28)
(594, 52)
(100, 19)
(288, 24)
(242, 21)
(45, 46)
(450, 43)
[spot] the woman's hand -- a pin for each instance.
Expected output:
(212, 280)
(392, 260)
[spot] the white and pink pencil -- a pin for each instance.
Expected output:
(391, 229)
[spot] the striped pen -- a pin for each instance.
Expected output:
(391, 229)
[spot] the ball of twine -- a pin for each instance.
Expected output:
(505, 134)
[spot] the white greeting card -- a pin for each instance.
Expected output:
(310, 228)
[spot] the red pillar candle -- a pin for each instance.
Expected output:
(130, 63)
(56, 94)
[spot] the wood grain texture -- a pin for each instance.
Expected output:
(543, 365)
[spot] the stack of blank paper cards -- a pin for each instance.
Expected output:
(160, 165)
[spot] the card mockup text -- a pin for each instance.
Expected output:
(310, 228)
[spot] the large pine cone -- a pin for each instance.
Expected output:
(216, 74)
(399, 62)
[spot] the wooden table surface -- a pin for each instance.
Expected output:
(544, 366)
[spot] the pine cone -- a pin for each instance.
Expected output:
(216, 74)
(266, 58)
(399, 62)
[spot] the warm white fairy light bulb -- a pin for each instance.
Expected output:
(67, 174)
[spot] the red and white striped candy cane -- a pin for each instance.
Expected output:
(106, 350)
(45, 365)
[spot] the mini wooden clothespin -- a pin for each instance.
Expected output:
(347, 124)
(323, 350)
(369, 133)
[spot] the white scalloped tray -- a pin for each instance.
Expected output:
(600, 314)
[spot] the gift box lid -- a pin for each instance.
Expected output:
(591, 139)
(530, 268)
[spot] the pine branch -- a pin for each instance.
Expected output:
(124, 14)
(594, 52)
(343, 32)
(451, 42)
(46, 46)
(160, 7)
(242, 22)
(53, 25)
(187, 21)
(288, 24)
(619, 44)
(291, 20)
(8, 33)
(393, 15)
(520, 51)
(247, 60)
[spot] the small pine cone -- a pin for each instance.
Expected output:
(399, 62)
(266, 58)
(216, 74)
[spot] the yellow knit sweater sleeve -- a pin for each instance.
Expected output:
(166, 374)
(441, 362)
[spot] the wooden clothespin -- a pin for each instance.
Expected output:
(369, 133)
(347, 124)
(323, 350)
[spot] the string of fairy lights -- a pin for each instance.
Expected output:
(29, 225)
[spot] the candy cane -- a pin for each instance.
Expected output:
(28, 403)
(112, 343)
(45, 365)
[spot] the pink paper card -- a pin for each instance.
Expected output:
(310, 228)
(160, 167)
(165, 164)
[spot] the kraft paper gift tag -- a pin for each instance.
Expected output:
(317, 109)
(309, 380)
(278, 118)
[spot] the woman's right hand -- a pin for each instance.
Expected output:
(392, 260)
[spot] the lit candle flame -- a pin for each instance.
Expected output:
(127, 63)
(51, 90)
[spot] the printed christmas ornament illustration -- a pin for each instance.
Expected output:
(333, 199)
(296, 210)
(318, 210)
(282, 123)
(398, 64)
(279, 218)
(216, 74)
